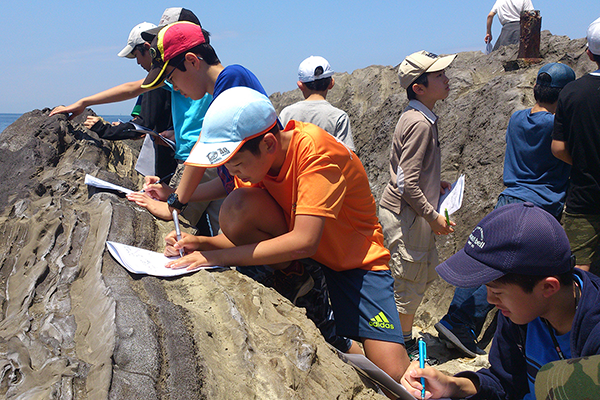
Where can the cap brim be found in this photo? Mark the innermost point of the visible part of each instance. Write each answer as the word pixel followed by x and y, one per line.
pixel 462 270
pixel 127 52
pixel 211 155
pixel 150 34
pixel 155 77
pixel 441 63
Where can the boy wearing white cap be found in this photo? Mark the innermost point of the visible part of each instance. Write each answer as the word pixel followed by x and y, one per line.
pixel 315 79
pixel 576 141
pixel 408 205
pixel 300 194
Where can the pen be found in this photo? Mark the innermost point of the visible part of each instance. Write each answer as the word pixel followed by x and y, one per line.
pixel 177 229
pixel 422 357
pixel 447 217
pixel 162 180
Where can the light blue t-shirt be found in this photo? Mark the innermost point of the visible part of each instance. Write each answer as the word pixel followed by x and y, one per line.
pixel 188 116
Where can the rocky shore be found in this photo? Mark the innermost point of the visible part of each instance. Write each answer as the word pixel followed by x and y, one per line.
pixel 75 325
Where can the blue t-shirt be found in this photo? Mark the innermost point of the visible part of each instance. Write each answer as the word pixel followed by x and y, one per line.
pixel 531 172
pixel 234 76
pixel 188 116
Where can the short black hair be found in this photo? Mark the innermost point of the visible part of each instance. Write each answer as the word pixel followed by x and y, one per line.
pixel 543 92
pixel 318 85
pixel 253 144
pixel 141 48
pixel 528 282
pixel 421 80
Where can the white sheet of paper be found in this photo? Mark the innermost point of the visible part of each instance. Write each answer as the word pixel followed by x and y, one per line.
pixel 452 199
pixel 99 183
pixel 146 162
pixel 141 261
pixel 146 131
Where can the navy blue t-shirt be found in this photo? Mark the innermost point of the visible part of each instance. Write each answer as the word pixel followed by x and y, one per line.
pixel 234 76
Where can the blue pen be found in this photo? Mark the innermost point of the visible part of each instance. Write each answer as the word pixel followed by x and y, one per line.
pixel 422 357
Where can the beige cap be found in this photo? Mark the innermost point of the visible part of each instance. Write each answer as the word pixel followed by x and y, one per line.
pixel 420 62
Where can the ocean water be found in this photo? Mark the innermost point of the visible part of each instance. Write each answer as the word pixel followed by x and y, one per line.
pixel 6 119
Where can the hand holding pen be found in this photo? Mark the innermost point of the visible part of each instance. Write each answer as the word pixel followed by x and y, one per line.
pixel 177 229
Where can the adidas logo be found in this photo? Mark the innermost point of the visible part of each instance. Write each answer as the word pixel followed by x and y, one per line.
pixel 380 321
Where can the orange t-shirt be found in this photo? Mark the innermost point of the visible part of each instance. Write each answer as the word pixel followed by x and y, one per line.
pixel 322 177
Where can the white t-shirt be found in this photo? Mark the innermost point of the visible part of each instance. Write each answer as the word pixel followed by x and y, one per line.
pixel 510 10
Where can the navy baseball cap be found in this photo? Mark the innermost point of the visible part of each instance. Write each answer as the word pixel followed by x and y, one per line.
pixel 560 73
pixel 517 238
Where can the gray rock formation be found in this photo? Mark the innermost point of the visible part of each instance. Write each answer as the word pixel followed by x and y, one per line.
pixel 75 325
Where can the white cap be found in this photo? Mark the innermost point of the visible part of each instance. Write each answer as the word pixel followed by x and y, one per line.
pixel 593 37
pixel 135 38
pixel 307 71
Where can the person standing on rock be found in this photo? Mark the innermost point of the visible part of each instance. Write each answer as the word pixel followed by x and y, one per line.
pixel 531 173
pixel 576 140
pixel 315 79
pixel 509 14
pixel 408 206
pixel 300 196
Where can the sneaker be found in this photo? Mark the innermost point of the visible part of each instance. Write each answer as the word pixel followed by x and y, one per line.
pixel 293 282
pixel 412 348
pixel 460 337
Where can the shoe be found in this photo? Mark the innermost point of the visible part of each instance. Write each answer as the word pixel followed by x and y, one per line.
pixel 412 348
pixel 293 282
pixel 460 337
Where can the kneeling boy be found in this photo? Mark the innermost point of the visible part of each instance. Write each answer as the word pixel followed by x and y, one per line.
pixel 548 309
pixel 299 194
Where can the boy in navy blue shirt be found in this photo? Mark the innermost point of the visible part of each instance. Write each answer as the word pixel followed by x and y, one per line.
pixel 548 309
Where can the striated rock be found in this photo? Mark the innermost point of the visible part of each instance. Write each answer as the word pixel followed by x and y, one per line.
pixel 76 325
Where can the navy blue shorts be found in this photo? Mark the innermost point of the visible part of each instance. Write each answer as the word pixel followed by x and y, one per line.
pixel 363 304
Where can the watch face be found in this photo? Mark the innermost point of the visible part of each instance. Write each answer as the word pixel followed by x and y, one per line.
pixel 172 199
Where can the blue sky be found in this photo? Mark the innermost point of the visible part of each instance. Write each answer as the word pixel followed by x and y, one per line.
pixel 57 52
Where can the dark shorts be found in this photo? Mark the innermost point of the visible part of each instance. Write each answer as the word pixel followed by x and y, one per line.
pixel 583 232
pixel 363 304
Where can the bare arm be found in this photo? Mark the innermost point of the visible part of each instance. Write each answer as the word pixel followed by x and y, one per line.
pixel 560 151
pixel 437 384
pixel 301 242
pixel 209 191
pixel 122 92
pixel 488 32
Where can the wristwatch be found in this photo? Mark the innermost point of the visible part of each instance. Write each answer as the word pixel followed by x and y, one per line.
pixel 173 201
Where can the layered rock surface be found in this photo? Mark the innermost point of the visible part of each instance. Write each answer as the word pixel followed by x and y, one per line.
pixel 75 325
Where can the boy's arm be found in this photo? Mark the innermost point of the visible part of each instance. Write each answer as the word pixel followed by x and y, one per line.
pixel 488 32
pixel 301 242
pixel 122 92
pixel 560 151
pixel 507 376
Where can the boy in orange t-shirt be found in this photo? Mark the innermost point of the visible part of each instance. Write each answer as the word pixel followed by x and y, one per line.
pixel 299 195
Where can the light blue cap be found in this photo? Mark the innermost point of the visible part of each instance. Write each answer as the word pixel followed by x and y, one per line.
pixel 560 73
pixel 235 116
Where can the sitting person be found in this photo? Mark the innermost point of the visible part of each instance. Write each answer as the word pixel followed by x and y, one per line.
pixel 548 310
pixel 299 195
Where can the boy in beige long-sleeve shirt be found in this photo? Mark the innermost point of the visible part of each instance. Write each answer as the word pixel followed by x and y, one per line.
pixel 408 205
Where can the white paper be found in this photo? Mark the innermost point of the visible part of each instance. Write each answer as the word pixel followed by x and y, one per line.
pixel 141 261
pixel 452 199
pixel 365 367
pixel 99 183
pixel 146 131
pixel 146 162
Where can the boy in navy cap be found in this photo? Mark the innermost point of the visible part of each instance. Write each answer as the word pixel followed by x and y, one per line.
pixel 548 309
